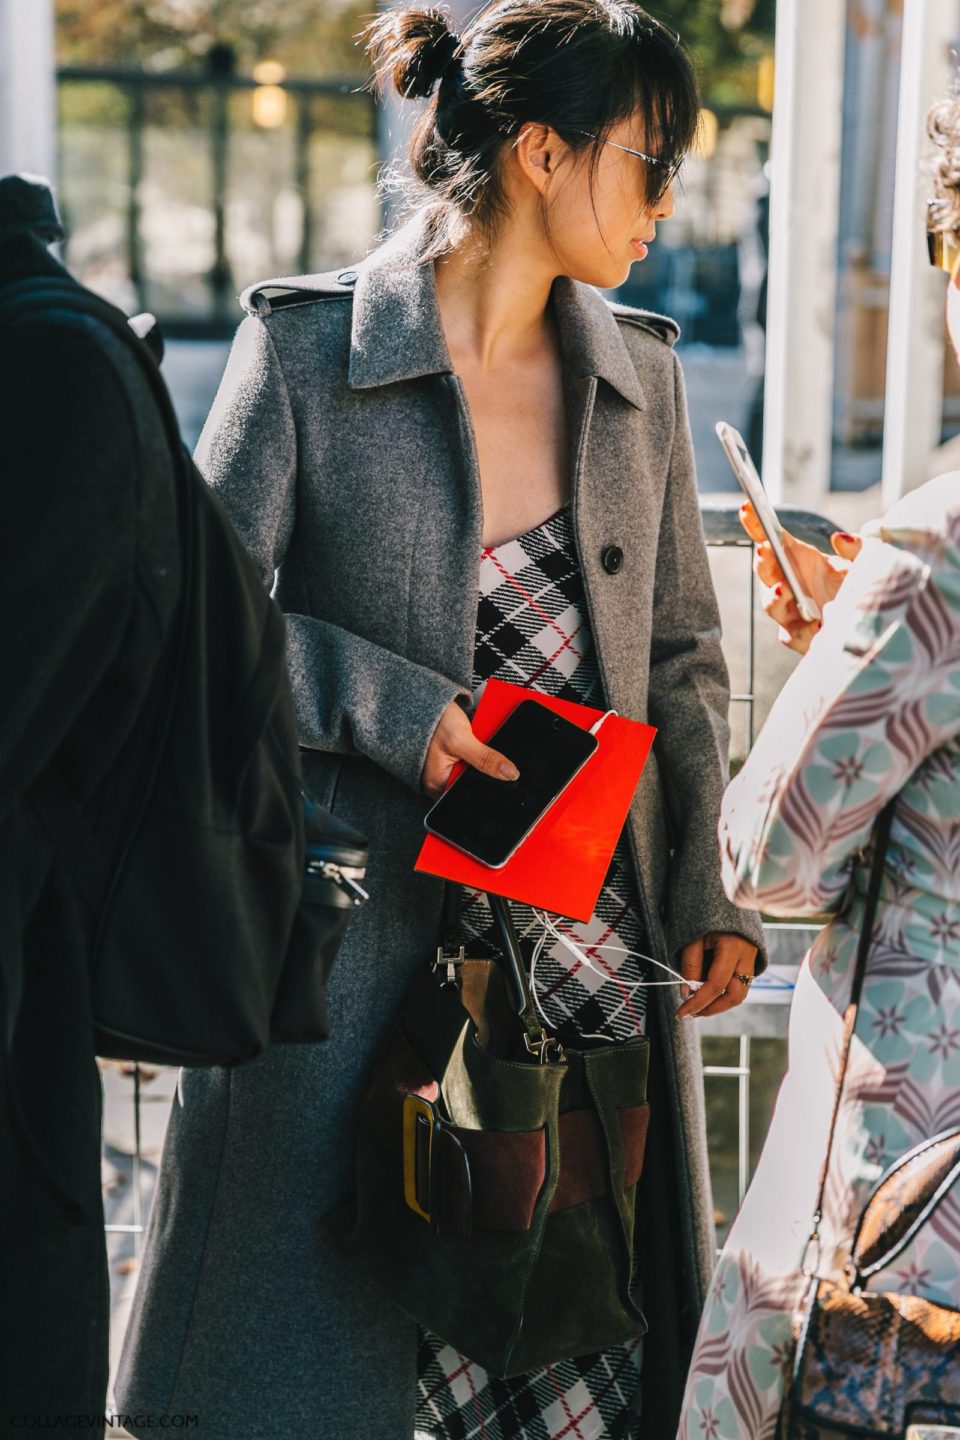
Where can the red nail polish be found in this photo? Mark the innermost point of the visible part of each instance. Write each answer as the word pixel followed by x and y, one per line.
pixel 844 536
pixel 778 591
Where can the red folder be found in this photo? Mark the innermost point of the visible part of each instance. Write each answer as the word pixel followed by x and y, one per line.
pixel 561 865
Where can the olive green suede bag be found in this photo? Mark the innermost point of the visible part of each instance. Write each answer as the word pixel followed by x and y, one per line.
pixel 496 1170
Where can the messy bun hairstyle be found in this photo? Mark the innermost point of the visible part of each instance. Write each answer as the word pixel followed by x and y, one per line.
pixel 575 65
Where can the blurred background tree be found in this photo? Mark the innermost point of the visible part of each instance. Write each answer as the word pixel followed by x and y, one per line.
pixel 317 37
pixel 728 39
pixel 309 37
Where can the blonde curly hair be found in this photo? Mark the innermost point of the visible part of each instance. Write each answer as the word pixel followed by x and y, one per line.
pixel 943 128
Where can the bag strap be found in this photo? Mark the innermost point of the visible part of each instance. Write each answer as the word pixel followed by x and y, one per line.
pixel 545 1047
pixel 880 842
pixel 451 943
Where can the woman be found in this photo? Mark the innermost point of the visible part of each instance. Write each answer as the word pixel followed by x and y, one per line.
pixel 872 712
pixel 460 461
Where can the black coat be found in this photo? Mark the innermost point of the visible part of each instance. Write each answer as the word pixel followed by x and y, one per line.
pixel 90 563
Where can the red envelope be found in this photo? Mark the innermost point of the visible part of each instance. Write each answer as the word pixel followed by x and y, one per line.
pixel 561 865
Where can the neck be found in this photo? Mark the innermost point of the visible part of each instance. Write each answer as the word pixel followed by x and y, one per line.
pixel 494 299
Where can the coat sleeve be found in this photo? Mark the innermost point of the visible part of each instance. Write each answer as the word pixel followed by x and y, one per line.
pixel 689 698
pixel 876 694
pixel 68 527
pixel 353 697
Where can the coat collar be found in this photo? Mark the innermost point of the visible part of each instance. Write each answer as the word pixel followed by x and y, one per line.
pixel 396 333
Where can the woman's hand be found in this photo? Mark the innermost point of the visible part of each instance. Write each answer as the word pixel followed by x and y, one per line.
pixel 721 989
pixel 820 576
pixel 454 740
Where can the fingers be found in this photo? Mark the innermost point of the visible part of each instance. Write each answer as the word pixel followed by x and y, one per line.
pixel 799 554
pixel 453 741
pixel 750 523
pixel 436 775
pixel 780 605
pixel 732 956
pixel 691 965
pixel 795 632
pixel 765 566
pixel 483 758
pixel 848 547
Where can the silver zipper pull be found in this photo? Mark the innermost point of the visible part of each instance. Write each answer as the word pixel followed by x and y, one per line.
pixel 356 892
pixel 343 877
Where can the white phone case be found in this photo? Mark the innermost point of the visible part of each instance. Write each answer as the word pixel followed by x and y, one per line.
pixel 752 486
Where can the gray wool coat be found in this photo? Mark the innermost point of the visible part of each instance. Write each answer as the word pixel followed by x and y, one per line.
pixel 340 444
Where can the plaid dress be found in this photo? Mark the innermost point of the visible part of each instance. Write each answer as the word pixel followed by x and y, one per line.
pixel 533 630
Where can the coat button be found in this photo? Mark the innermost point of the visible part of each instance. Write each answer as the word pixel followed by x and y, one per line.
pixel 612 559
pixel 347 277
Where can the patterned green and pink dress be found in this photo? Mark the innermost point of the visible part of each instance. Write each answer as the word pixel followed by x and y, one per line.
pixel 872 712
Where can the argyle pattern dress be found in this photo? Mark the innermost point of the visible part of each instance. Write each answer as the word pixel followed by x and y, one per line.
pixel 533 630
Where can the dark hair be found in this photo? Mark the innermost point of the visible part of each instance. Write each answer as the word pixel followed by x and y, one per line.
pixel 943 127
pixel 575 65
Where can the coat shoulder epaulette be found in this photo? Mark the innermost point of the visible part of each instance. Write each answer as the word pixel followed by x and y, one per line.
pixel 661 326
pixel 266 296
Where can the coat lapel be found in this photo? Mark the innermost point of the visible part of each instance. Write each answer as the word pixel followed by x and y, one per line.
pixel 591 341
pixel 396 332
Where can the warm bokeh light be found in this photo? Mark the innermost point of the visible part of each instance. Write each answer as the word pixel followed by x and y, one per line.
pixel 706 141
pixel 765 69
pixel 269 106
pixel 269 72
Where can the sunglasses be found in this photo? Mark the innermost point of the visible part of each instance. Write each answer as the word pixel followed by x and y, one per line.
pixel 672 167
pixel 943 249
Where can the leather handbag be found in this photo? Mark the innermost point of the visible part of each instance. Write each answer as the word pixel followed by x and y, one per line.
pixel 871 1364
pixel 496 1169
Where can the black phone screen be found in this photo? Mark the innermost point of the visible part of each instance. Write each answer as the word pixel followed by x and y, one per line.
pixel 488 818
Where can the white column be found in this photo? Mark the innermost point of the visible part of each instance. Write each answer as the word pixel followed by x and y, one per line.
pixel 914 386
pixel 27 87
pixel 804 197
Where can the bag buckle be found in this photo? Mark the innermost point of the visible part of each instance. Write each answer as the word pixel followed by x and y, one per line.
pixel 813 1248
pixel 433 1158
pixel 544 1047
pixel 451 962
pixel 419 1127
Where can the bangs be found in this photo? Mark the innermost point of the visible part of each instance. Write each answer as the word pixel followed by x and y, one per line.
pixel 652 77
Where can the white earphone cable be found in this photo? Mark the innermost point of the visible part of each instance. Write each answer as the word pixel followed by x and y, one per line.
pixel 550 929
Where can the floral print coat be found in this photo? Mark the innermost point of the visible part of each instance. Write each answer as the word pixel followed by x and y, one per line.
pixel 871 712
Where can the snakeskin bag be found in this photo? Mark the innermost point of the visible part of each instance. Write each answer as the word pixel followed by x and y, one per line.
pixel 867 1364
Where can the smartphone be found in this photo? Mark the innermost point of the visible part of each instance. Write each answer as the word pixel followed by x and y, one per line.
pixel 752 486
pixel 489 819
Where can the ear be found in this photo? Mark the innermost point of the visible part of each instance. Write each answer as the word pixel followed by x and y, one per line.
pixel 538 150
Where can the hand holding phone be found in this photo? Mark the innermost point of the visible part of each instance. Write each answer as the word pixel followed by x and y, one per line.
pixel 749 481
pixel 488 819
pixel 822 576
pixel 453 742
